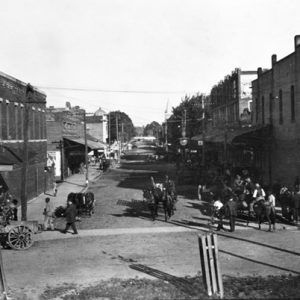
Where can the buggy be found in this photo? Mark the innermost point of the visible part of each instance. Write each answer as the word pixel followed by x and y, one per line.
pixel 85 204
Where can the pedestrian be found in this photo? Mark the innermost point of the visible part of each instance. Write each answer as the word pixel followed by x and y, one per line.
pixel 14 208
pixel 271 201
pixel 231 212
pixel 296 200
pixel 48 214
pixel 258 194
pixel 54 189
pixel 71 213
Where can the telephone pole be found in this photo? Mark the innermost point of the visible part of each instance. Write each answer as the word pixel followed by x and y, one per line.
pixel 86 151
pixel 28 93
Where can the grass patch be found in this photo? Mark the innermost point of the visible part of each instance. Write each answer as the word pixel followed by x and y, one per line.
pixel 271 287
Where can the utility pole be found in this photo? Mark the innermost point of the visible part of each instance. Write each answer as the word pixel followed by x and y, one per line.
pixel 109 129
pixel 122 136
pixel 166 132
pixel 86 151
pixel 203 133
pixel 28 93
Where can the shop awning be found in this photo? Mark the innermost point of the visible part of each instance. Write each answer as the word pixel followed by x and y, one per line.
pixel 93 145
pixel 7 160
pixel 256 135
pixel 247 134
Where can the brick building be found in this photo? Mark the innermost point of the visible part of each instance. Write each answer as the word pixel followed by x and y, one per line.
pixel 13 106
pixel 66 139
pixel 97 125
pixel 230 111
pixel 276 94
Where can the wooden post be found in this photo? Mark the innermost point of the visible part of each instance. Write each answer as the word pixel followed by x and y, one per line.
pixel 86 152
pixel 29 91
pixel 211 271
pixel 3 287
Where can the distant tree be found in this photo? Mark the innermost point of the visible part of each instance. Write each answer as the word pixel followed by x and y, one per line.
pixel 139 130
pixel 125 127
pixel 153 129
pixel 189 112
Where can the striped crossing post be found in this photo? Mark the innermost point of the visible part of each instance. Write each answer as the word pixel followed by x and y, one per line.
pixel 211 271
pixel 3 288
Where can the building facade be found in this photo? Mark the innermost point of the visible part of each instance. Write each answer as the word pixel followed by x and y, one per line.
pixel 68 134
pixel 276 94
pixel 230 111
pixel 97 125
pixel 19 112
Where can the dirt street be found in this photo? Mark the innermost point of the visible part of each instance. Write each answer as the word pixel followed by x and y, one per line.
pixel 117 239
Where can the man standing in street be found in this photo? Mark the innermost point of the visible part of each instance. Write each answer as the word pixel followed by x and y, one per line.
pixel 71 213
pixel 48 214
pixel 231 212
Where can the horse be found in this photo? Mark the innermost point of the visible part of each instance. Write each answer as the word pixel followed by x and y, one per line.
pixel 263 210
pixel 286 202
pixel 152 204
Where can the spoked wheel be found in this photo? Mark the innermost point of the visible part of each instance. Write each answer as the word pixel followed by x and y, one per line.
pixel 20 237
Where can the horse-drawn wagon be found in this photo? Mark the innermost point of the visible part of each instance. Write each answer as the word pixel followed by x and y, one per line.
pixel 157 195
pixel 17 235
pixel 84 202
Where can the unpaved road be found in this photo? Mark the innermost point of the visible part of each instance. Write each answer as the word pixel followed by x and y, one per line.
pixel 172 248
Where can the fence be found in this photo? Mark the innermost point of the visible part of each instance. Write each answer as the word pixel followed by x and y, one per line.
pixel 211 271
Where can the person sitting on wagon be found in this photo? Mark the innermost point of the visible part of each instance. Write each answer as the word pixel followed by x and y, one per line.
pixel 258 194
pixel 238 185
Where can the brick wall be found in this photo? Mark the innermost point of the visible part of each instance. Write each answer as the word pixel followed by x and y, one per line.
pixel 278 83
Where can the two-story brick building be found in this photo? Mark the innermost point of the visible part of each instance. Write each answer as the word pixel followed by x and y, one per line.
pixel 276 94
pixel 13 107
pixel 230 111
pixel 67 131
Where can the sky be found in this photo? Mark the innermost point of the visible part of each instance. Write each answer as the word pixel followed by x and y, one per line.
pixel 137 55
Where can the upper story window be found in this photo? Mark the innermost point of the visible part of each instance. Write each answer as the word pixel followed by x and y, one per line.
pixel 292 104
pixel 257 110
pixel 280 107
pixel 271 107
pixel 263 110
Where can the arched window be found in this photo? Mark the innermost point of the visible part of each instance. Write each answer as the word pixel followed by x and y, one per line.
pixel 271 107
pixel 263 110
pixel 292 104
pixel 257 110
pixel 280 108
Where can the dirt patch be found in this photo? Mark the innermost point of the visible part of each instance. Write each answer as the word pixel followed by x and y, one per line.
pixel 280 287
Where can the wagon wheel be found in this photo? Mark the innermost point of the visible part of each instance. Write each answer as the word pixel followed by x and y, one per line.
pixel 20 237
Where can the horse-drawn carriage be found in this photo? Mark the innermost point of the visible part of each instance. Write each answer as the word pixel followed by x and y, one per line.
pixel 84 202
pixel 159 195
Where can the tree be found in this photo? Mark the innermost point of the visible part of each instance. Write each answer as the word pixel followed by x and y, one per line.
pixel 153 129
pixel 121 124
pixel 188 117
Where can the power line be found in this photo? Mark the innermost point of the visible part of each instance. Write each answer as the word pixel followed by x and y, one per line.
pixel 111 91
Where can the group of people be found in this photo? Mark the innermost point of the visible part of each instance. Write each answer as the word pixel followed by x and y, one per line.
pixel 240 189
pixel 8 206
pixel 70 214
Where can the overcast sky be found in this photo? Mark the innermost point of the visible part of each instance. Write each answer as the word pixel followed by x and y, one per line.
pixel 167 46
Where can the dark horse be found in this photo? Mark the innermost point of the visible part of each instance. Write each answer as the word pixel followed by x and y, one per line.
pixel 155 196
pixel 152 204
pixel 84 202
pixel 286 203
pixel 263 211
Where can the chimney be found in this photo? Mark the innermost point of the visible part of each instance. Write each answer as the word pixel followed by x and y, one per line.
pixel 297 41
pixel 274 59
pixel 259 72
